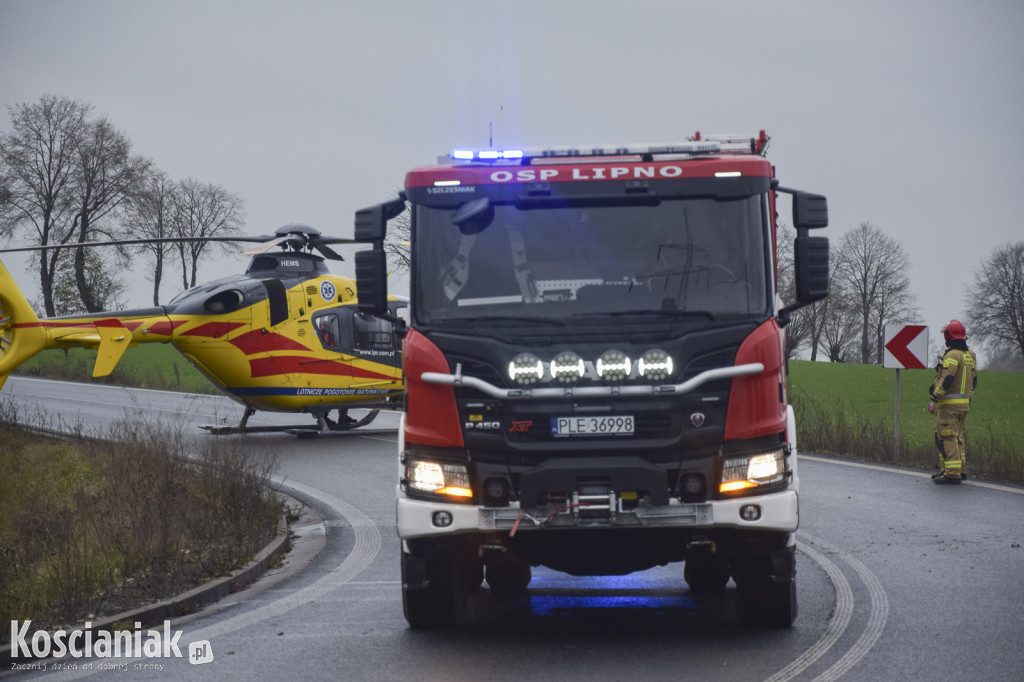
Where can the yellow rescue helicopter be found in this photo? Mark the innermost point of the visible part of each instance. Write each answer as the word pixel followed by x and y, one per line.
pixel 286 336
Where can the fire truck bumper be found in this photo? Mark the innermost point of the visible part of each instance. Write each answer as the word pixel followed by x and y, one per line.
pixel 771 512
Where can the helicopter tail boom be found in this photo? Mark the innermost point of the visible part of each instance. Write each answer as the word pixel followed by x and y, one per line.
pixel 21 333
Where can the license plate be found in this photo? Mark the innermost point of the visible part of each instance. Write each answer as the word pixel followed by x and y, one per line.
pixel 618 425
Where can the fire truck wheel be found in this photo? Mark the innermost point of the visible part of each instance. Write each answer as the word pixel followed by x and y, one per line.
pixel 705 574
pixel 765 600
pixel 433 592
pixel 507 575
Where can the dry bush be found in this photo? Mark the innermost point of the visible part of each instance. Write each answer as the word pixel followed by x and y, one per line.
pixel 98 525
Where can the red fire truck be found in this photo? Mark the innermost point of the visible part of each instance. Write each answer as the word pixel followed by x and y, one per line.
pixel 595 372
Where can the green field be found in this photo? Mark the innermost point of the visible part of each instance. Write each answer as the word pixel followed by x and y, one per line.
pixel 854 406
pixel 150 365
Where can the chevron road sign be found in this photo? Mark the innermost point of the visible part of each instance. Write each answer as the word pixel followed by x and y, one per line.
pixel 906 346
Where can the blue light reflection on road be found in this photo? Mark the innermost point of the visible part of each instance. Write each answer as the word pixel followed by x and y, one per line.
pixel 554 594
pixel 547 605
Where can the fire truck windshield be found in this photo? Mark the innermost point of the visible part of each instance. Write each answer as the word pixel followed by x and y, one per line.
pixel 681 255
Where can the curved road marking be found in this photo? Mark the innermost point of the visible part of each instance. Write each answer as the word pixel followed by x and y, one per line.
pixel 876 621
pixel 836 627
pixel 367 546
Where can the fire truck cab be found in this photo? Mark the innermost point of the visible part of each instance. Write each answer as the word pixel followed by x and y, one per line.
pixel 595 370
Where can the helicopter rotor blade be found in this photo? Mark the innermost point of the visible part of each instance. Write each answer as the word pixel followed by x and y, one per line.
pixel 327 252
pixel 333 240
pixel 295 237
pixel 128 242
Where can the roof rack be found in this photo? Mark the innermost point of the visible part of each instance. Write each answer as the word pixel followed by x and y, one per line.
pixel 744 143
pixel 695 145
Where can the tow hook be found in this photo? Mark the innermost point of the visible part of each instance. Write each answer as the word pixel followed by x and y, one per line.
pixel 702 545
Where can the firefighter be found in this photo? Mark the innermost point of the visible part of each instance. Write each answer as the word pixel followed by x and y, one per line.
pixel 956 377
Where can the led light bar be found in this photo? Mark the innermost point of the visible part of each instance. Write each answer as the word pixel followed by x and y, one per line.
pixel 655 365
pixel 519 155
pixel 568 368
pixel 697 144
pixel 613 366
pixel 526 369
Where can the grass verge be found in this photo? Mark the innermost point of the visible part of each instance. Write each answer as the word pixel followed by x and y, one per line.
pixel 93 526
pixel 849 411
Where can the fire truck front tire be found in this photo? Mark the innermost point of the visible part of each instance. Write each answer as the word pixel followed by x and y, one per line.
pixel 766 589
pixel 706 574
pixel 508 575
pixel 433 591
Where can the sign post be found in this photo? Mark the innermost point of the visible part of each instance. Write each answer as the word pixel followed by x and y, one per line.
pixel 906 347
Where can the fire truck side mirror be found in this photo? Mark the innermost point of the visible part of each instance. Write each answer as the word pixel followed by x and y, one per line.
pixel 372 282
pixel 809 210
pixel 811 260
pixel 372 222
pixel 371 266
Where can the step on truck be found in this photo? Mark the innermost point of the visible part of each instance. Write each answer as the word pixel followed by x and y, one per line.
pixel 595 369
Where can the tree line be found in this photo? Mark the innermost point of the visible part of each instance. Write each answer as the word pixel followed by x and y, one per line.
pixel 869 288
pixel 68 177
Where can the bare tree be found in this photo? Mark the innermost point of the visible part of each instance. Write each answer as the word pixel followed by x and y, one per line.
pixel 995 302
pixel 798 331
pixel 1003 358
pixel 839 324
pixel 202 210
pixel 7 209
pixel 397 242
pixel 149 215
pixel 106 174
pixel 106 288
pixel 896 303
pixel 827 325
pixel 38 158
pixel 871 268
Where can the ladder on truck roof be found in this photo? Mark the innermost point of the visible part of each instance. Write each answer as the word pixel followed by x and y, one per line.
pixel 695 145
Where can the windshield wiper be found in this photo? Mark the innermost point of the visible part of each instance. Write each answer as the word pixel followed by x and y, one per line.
pixel 658 313
pixel 514 319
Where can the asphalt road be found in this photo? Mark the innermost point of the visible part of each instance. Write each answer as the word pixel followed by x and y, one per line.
pixel 898 579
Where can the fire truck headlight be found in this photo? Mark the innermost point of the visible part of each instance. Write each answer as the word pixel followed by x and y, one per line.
pixel 741 474
pixel 567 368
pixel 613 366
pixel 526 369
pixel 655 365
pixel 425 476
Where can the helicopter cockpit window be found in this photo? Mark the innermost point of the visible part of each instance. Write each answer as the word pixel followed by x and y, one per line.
pixel 224 302
pixel 328 329
pixel 372 333
pixel 347 330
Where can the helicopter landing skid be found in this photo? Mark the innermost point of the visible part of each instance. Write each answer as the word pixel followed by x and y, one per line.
pixel 344 422
pixel 324 425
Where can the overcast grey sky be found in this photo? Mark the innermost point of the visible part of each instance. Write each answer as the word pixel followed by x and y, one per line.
pixel 907 114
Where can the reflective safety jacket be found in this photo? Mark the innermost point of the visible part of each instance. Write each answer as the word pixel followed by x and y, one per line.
pixel 956 377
